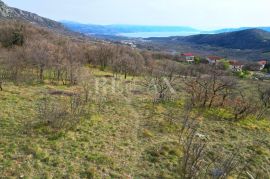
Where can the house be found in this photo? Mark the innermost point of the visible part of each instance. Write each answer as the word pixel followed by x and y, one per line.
pixel 213 59
pixel 188 57
pixel 129 43
pixel 262 64
pixel 236 66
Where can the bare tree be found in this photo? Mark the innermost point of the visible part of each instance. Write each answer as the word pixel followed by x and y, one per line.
pixel 193 160
pixel 85 81
pixel 264 98
pixel 104 54
pixel 40 55
pixel 73 58
pixel 161 82
pixel 242 106
pixel 16 63
pixel 211 89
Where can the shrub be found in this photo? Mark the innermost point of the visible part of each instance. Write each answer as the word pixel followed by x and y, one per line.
pixel 12 35
pixel 59 115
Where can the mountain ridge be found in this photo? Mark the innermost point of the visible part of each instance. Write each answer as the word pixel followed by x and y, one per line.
pixel 7 12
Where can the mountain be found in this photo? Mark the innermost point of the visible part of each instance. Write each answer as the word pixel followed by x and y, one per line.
pixel 245 39
pixel 7 12
pixel 236 29
pixel 120 29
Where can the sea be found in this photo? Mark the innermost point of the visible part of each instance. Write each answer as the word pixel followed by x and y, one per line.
pixel 157 34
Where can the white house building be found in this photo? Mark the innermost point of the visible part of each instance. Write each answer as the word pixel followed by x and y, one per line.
pixel 188 57
pixel 236 66
pixel 213 59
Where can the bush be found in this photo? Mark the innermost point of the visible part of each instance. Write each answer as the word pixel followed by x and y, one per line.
pixel 12 35
pixel 59 115
pixel 243 74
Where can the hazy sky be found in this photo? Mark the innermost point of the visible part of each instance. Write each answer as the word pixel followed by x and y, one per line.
pixel 204 14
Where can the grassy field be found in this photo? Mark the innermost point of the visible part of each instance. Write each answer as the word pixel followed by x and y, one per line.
pixel 124 135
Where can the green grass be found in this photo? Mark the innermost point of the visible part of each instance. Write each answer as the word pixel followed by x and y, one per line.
pixel 125 136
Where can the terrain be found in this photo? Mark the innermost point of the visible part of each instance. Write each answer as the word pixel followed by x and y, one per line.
pixel 125 136
pixel 7 12
pixel 71 107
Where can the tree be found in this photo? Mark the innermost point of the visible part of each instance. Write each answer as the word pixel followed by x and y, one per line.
pixel 211 89
pixel 58 60
pixel 241 105
pixel 126 61
pixel 40 54
pixel 267 67
pixel 197 60
pixel 104 54
pixel 264 98
pixel 224 64
pixel 85 80
pixel 73 58
pixel 12 34
pixel 162 79
pixel 16 63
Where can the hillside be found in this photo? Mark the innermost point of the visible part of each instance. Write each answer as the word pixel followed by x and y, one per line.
pixel 7 12
pixel 255 39
pixel 245 39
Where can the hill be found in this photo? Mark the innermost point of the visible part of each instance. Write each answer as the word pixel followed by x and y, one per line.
pixel 245 39
pixel 7 12
pixel 236 29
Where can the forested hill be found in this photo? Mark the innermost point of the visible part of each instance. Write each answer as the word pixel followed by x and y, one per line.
pixel 245 39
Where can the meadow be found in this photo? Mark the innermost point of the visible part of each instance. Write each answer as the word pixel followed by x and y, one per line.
pixel 123 135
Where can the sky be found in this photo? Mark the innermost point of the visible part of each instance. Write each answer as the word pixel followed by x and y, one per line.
pixel 201 14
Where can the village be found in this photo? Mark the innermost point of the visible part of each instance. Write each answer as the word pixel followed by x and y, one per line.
pixel 258 70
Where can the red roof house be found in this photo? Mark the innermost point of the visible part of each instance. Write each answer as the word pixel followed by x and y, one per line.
pixel 187 54
pixel 188 57
pixel 236 65
pixel 262 63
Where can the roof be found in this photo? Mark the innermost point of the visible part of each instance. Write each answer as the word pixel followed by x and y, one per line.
pixel 235 63
pixel 187 54
pixel 214 58
pixel 262 62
